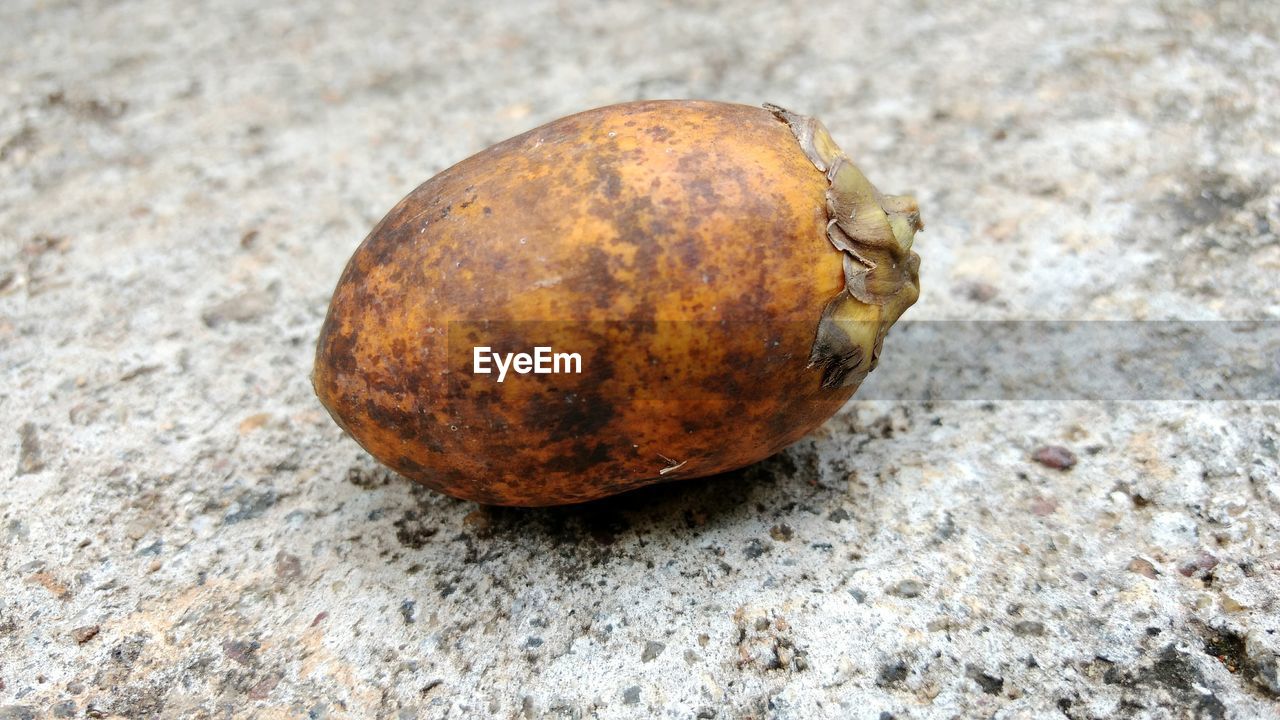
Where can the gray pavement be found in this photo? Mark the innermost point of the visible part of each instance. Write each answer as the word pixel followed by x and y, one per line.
pixel 185 533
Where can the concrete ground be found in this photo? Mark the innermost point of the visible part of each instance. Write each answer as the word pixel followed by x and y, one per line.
pixel 185 533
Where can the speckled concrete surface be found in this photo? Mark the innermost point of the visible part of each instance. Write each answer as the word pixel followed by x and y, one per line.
pixel 186 534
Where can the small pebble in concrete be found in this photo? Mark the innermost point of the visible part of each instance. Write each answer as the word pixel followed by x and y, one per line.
pixel 652 650
pixel 908 588
pixel 84 634
pixel 1055 456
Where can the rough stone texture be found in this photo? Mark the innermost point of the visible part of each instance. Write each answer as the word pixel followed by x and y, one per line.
pixel 179 189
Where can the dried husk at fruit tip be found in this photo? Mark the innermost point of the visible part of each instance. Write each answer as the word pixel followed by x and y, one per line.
pixel 882 274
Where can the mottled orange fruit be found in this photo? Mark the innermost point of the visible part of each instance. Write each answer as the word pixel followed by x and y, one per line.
pixel 680 247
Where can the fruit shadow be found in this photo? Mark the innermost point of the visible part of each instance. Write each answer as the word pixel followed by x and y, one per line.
pixel 671 508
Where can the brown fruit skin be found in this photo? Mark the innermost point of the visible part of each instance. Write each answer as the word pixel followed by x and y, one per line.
pixel 656 210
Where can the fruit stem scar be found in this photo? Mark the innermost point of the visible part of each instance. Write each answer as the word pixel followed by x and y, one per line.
pixel 881 273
